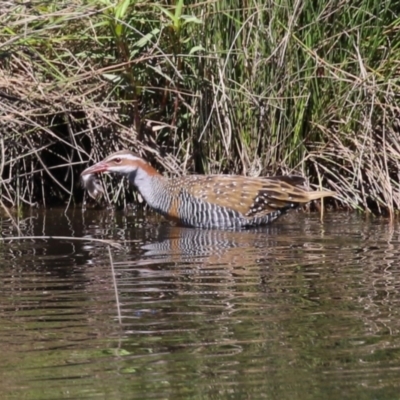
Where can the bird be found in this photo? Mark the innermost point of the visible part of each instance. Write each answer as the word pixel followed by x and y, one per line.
pixel 206 201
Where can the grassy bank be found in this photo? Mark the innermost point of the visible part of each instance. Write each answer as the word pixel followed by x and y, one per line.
pixel 252 87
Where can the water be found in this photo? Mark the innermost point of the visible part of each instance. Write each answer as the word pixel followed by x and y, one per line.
pixel 302 309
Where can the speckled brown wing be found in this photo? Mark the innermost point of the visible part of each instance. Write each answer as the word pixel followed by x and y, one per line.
pixel 252 197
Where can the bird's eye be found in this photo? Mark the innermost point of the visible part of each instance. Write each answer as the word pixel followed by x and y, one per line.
pixel 117 160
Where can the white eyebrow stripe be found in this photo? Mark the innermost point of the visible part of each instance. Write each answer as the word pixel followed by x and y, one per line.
pixel 125 157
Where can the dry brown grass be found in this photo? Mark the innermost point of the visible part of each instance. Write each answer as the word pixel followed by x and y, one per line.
pixel 254 90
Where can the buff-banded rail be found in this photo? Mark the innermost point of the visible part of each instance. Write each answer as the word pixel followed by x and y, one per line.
pixel 207 201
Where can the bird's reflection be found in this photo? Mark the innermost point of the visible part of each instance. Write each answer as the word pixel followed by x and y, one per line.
pixel 212 246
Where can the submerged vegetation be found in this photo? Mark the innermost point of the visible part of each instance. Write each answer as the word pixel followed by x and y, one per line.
pixel 252 87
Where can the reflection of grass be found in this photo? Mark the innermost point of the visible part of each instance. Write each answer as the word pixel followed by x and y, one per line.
pixel 254 87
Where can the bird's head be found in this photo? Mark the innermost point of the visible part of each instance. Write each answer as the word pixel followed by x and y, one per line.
pixel 122 163
pixel 125 163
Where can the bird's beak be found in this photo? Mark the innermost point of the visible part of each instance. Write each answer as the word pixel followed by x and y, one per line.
pixel 96 169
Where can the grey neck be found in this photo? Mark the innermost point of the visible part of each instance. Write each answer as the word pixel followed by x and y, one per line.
pixel 152 188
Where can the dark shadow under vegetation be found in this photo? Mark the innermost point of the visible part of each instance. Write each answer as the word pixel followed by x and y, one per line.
pixel 260 87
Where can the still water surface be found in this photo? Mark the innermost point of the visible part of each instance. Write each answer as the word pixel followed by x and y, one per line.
pixel 302 309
